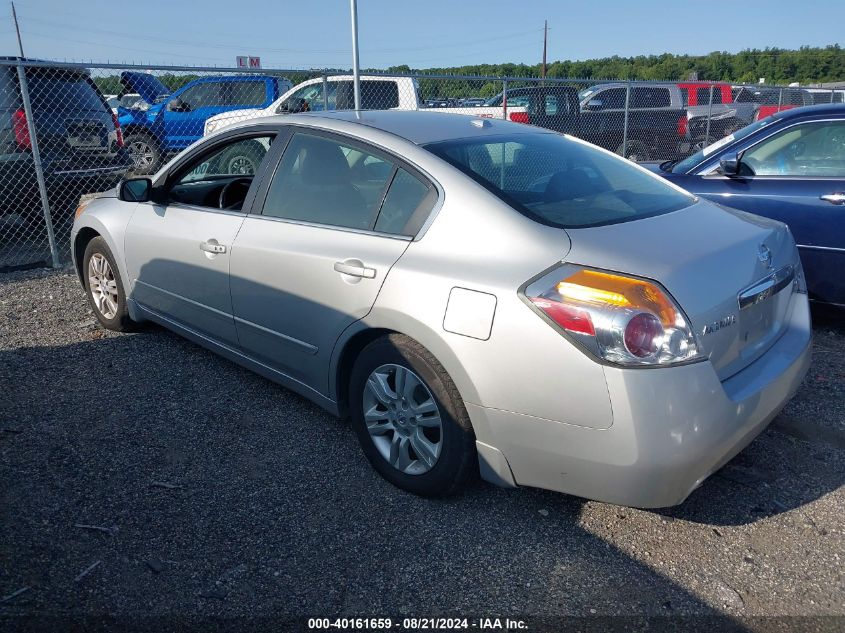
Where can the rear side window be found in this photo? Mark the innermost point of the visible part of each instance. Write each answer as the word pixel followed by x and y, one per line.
pixel 325 181
pixel 406 205
pixel 242 93
pixel 561 182
pixel 375 95
pixel 650 98
pixel 611 99
pixel 60 92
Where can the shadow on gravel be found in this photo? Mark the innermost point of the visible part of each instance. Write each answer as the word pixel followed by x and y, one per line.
pixel 142 474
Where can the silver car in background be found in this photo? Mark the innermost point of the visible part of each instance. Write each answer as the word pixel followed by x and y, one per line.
pixel 475 295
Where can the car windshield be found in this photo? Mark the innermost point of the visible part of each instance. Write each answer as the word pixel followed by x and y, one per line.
pixel 690 162
pixel 561 181
pixel 584 93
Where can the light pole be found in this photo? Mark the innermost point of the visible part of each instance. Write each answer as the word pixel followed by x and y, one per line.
pixel 356 71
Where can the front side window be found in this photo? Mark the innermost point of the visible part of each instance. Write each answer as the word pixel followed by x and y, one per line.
pixel 810 149
pixel 221 179
pixel 561 182
pixel 310 98
pixel 611 99
pixel 199 96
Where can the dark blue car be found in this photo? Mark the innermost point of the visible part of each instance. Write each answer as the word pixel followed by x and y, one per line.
pixel 789 167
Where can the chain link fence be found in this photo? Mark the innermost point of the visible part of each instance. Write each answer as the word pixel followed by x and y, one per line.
pixel 70 131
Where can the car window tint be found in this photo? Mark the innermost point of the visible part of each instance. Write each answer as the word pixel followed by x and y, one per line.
pixel 650 98
pixel 611 99
pixel 375 95
pixel 200 182
pixel 200 95
pixel 560 181
pixel 324 181
pixel 61 91
pixel 406 196
pixel 810 149
pixel 242 93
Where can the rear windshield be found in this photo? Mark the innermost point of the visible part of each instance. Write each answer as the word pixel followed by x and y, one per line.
pixel 560 181
pixel 60 92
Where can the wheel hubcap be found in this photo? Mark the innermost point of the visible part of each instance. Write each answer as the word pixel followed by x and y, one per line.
pixel 241 165
pixel 102 286
pixel 403 419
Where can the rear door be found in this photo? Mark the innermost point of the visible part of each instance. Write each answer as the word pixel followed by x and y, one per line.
pixel 336 216
pixel 797 175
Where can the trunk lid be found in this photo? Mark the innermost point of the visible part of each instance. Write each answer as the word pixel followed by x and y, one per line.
pixel 707 257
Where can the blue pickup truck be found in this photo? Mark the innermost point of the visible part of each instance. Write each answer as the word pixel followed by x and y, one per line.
pixel 165 122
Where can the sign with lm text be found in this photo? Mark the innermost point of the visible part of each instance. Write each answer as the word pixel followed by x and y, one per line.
pixel 247 61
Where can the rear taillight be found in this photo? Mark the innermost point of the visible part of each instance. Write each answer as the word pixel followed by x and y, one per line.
pixel 621 319
pixel 117 129
pixel 519 117
pixel 682 126
pixel 21 130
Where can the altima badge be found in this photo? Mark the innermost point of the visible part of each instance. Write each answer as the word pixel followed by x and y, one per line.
pixel 764 255
pixel 718 325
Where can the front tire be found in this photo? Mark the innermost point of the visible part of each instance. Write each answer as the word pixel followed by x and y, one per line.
pixel 104 288
pixel 409 418
pixel 242 160
pixel 144 151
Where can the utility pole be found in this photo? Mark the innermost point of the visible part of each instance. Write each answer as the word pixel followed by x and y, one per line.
pixel 356 71
pixel 17 29
pixel 545 40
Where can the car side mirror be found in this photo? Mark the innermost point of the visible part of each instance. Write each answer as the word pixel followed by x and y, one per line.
pixel 729 165
pixel 136 190
pixel 594 104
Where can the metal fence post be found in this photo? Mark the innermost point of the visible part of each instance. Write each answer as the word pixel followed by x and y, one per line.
pixel 709 117
pixel 780 98
pixel 39 171
pixel 504 99
pixel 625 122
pixel 325 93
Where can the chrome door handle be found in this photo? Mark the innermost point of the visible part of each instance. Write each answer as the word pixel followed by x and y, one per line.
pixel 834 198
pixel 212 247
pixel 354 270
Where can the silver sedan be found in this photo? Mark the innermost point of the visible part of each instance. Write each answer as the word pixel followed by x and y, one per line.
pixel 474 295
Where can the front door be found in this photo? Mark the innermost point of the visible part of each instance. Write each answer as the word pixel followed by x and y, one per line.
pixel 178 251
pixel 337 215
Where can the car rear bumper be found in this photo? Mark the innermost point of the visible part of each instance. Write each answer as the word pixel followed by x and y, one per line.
pixel 672 427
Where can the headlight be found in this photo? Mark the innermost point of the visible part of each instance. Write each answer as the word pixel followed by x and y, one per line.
pixel 618 318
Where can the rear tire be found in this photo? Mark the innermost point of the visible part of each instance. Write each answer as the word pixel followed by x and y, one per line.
pixel 104 288
pixel 242 160
pixel 409 418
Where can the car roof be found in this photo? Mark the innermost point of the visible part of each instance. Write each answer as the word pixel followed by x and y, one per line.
pixel 822 109
pixel 418 127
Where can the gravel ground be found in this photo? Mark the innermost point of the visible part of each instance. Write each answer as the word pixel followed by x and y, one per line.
pixel 222 494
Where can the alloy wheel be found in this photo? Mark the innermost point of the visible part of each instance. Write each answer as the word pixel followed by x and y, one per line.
pixel 241 165
pixel 102 285
pixel 142 154
pixel 403 419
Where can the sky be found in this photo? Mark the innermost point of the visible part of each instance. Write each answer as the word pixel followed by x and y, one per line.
pixel 420 33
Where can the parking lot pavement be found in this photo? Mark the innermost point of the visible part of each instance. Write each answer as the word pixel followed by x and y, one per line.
pixel 220 493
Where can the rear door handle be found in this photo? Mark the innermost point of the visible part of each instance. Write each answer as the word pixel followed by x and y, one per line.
pixel 355 270
pixel 834 198
pixel 212 246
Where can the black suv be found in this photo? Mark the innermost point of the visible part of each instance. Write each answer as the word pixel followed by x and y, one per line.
pixel 79 140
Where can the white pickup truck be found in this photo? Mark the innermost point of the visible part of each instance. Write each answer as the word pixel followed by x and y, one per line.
pixel 336 93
